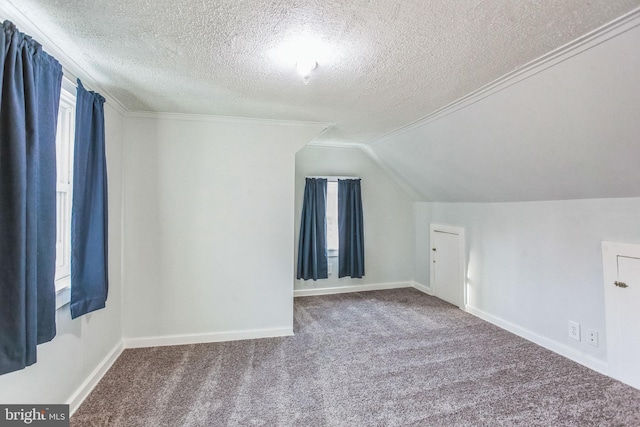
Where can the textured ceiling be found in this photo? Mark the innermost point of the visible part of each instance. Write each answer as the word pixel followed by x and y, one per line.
pixel 385 64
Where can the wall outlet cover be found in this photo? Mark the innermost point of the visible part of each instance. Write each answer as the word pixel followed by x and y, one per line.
pixel 574 330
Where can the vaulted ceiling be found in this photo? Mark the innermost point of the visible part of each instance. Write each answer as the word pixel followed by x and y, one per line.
pixel 384 63
pixel 381 64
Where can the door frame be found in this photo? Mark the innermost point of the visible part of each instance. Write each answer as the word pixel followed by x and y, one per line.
pixel 615 345
pixel 459 231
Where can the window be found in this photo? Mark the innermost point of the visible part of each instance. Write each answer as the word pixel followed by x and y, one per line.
pixel 314 248
pixel 64 165
pixel 332 218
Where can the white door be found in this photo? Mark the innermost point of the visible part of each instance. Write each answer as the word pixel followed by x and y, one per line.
pixel 445 264
pixel 622 302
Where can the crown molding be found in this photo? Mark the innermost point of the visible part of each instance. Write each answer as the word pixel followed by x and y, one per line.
pixel 226 119
pixel 590 40
pixel 330 144
pixel 71 69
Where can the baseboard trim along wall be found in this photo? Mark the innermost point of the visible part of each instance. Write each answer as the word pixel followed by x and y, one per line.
pixel 562 349
pixel 185 339
pixel 352 288
pixel 94 378
pixel 422 288
pixel 559 348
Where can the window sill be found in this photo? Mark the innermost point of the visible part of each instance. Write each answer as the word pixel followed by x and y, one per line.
pixel 63 292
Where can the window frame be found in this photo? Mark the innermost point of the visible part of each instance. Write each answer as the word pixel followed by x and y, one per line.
pixel 65 138
pixel 332 237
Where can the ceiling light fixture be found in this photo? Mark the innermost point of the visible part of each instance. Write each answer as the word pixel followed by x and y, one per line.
pixel 305 67
pixel 303 51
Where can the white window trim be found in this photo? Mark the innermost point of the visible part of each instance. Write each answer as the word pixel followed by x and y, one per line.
pixel 63 291
pixel 63 278
pixel 332 252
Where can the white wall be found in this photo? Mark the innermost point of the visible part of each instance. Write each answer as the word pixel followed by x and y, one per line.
pixel 539 264
pixel 422 268
pixel 81 344
pixel 209 226
pixel 567 129
pixel 388 216
pixel 562 130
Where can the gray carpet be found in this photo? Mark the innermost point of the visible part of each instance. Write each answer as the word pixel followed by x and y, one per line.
pixel 382 358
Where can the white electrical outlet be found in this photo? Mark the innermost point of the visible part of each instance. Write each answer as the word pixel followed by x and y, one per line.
pixel 592 337
pixel 574 330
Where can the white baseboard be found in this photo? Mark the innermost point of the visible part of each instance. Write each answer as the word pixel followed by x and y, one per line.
pixel 562 349
pixel 165 340
pixel 422 288
pixel 352 288
pixel 92 380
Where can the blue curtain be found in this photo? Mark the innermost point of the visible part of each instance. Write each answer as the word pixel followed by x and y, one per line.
pixel 350 229
pixel 89 278
pixel 29 99
pixel 312 245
